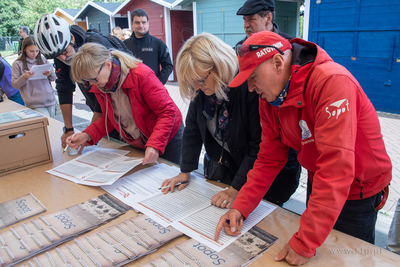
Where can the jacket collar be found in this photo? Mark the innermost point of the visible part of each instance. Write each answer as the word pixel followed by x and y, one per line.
pixel 139 39
pixel 305 57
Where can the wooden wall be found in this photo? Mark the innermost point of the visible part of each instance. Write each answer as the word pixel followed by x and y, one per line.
pixel 363 36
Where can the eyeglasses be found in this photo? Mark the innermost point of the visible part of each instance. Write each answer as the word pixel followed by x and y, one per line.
pixel 203 82
pixel 243 49
pixel 95 79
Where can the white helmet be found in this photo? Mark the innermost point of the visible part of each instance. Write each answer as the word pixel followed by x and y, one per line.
pixel 52 35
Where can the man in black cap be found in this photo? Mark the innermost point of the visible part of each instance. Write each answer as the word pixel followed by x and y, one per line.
pixel 259 15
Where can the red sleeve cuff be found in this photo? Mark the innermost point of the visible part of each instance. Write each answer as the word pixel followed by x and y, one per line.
pixel 300 249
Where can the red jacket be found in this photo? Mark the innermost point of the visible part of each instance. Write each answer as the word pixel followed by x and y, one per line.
pixel 153 110
pixel 333 125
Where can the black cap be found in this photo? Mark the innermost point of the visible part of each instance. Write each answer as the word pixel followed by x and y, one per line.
pixel 251 7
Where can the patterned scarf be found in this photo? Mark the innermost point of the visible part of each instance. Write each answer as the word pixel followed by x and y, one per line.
pixel 278 102
pixel 115 74
pixel 222 113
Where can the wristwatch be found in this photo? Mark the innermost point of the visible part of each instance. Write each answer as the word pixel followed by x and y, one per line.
pixel 65 130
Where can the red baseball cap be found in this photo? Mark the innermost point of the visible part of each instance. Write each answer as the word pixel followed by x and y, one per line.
pixel 258 48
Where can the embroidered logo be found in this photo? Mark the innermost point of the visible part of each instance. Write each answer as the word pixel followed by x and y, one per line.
pixel 267 50
pixel 337 108
pixel 305 131
pixel 147 49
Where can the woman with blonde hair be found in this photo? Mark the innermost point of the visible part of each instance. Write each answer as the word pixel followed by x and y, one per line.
pixel 133 101
pixel 224 119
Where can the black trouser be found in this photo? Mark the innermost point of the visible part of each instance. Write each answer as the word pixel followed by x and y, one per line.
pixel 358 217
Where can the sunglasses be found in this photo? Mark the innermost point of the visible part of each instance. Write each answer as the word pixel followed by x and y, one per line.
pixel 243 49
pixel 203 82
pixel 95 79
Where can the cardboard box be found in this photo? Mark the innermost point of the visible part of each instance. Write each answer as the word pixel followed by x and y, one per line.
pixel 24 144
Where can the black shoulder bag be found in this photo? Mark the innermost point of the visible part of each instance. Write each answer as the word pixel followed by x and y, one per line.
pixel 214 170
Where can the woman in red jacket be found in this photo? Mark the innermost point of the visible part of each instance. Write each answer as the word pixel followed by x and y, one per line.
pixel 133 101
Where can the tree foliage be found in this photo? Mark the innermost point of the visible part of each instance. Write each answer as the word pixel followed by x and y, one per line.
pixel 16 13
pixel 10 15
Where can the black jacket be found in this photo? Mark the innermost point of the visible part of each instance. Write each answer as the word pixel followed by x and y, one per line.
pixel 153 52
pixel 64 85
pixel 243 138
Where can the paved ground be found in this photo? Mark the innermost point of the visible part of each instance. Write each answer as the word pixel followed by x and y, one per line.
pixel 390 125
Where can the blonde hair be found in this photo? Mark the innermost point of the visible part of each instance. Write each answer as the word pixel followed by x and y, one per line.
pixel 92 56
pixel 117 32
pixel 205 53
pixel 126 33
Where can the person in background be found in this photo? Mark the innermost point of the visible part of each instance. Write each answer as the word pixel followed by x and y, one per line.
pixel 37 94
pixel 117 32
pixel 133 101
pixel 393 240
pixel 259 15
pixel 6 83
pixel 23 32
pixel 126 33
pixel 225 120
pixel 314 105
pixel 151 50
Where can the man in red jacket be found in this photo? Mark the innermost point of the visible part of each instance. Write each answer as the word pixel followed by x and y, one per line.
pixel 314 105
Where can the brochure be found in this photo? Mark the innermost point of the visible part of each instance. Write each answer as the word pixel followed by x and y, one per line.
pixel 18 209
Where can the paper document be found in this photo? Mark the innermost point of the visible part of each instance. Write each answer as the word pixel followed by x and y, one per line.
pixel 18 209
pixel 32 237
pixel 39 69
pixel 18 115
pixel 116 245
pixel 241 253
pixel 168 208
pixel 139 185
pixel 189 210
pixel 201 225
pixel 98 167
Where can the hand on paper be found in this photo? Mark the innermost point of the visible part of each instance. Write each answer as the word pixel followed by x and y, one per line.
pixel 291 256
pixel 64 138
pixel 79 140
pixel 224 199
pixel 28 74
pixel 150 155
pixel 182 177
pixel 232 222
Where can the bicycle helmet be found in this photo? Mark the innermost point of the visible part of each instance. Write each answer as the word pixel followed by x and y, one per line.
pixel 52 35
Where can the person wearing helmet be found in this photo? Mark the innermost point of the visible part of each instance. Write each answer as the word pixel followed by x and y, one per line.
pixel 58 40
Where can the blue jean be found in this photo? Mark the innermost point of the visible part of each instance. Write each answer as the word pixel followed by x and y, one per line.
pixel 358 217
pixel 173 150
pixel 393 241
pixel 17 98
pixel 49 111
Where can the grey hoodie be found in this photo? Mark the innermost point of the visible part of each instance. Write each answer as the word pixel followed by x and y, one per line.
pixel 35 93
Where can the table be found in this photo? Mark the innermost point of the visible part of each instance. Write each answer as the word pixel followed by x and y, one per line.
pixel 56 193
